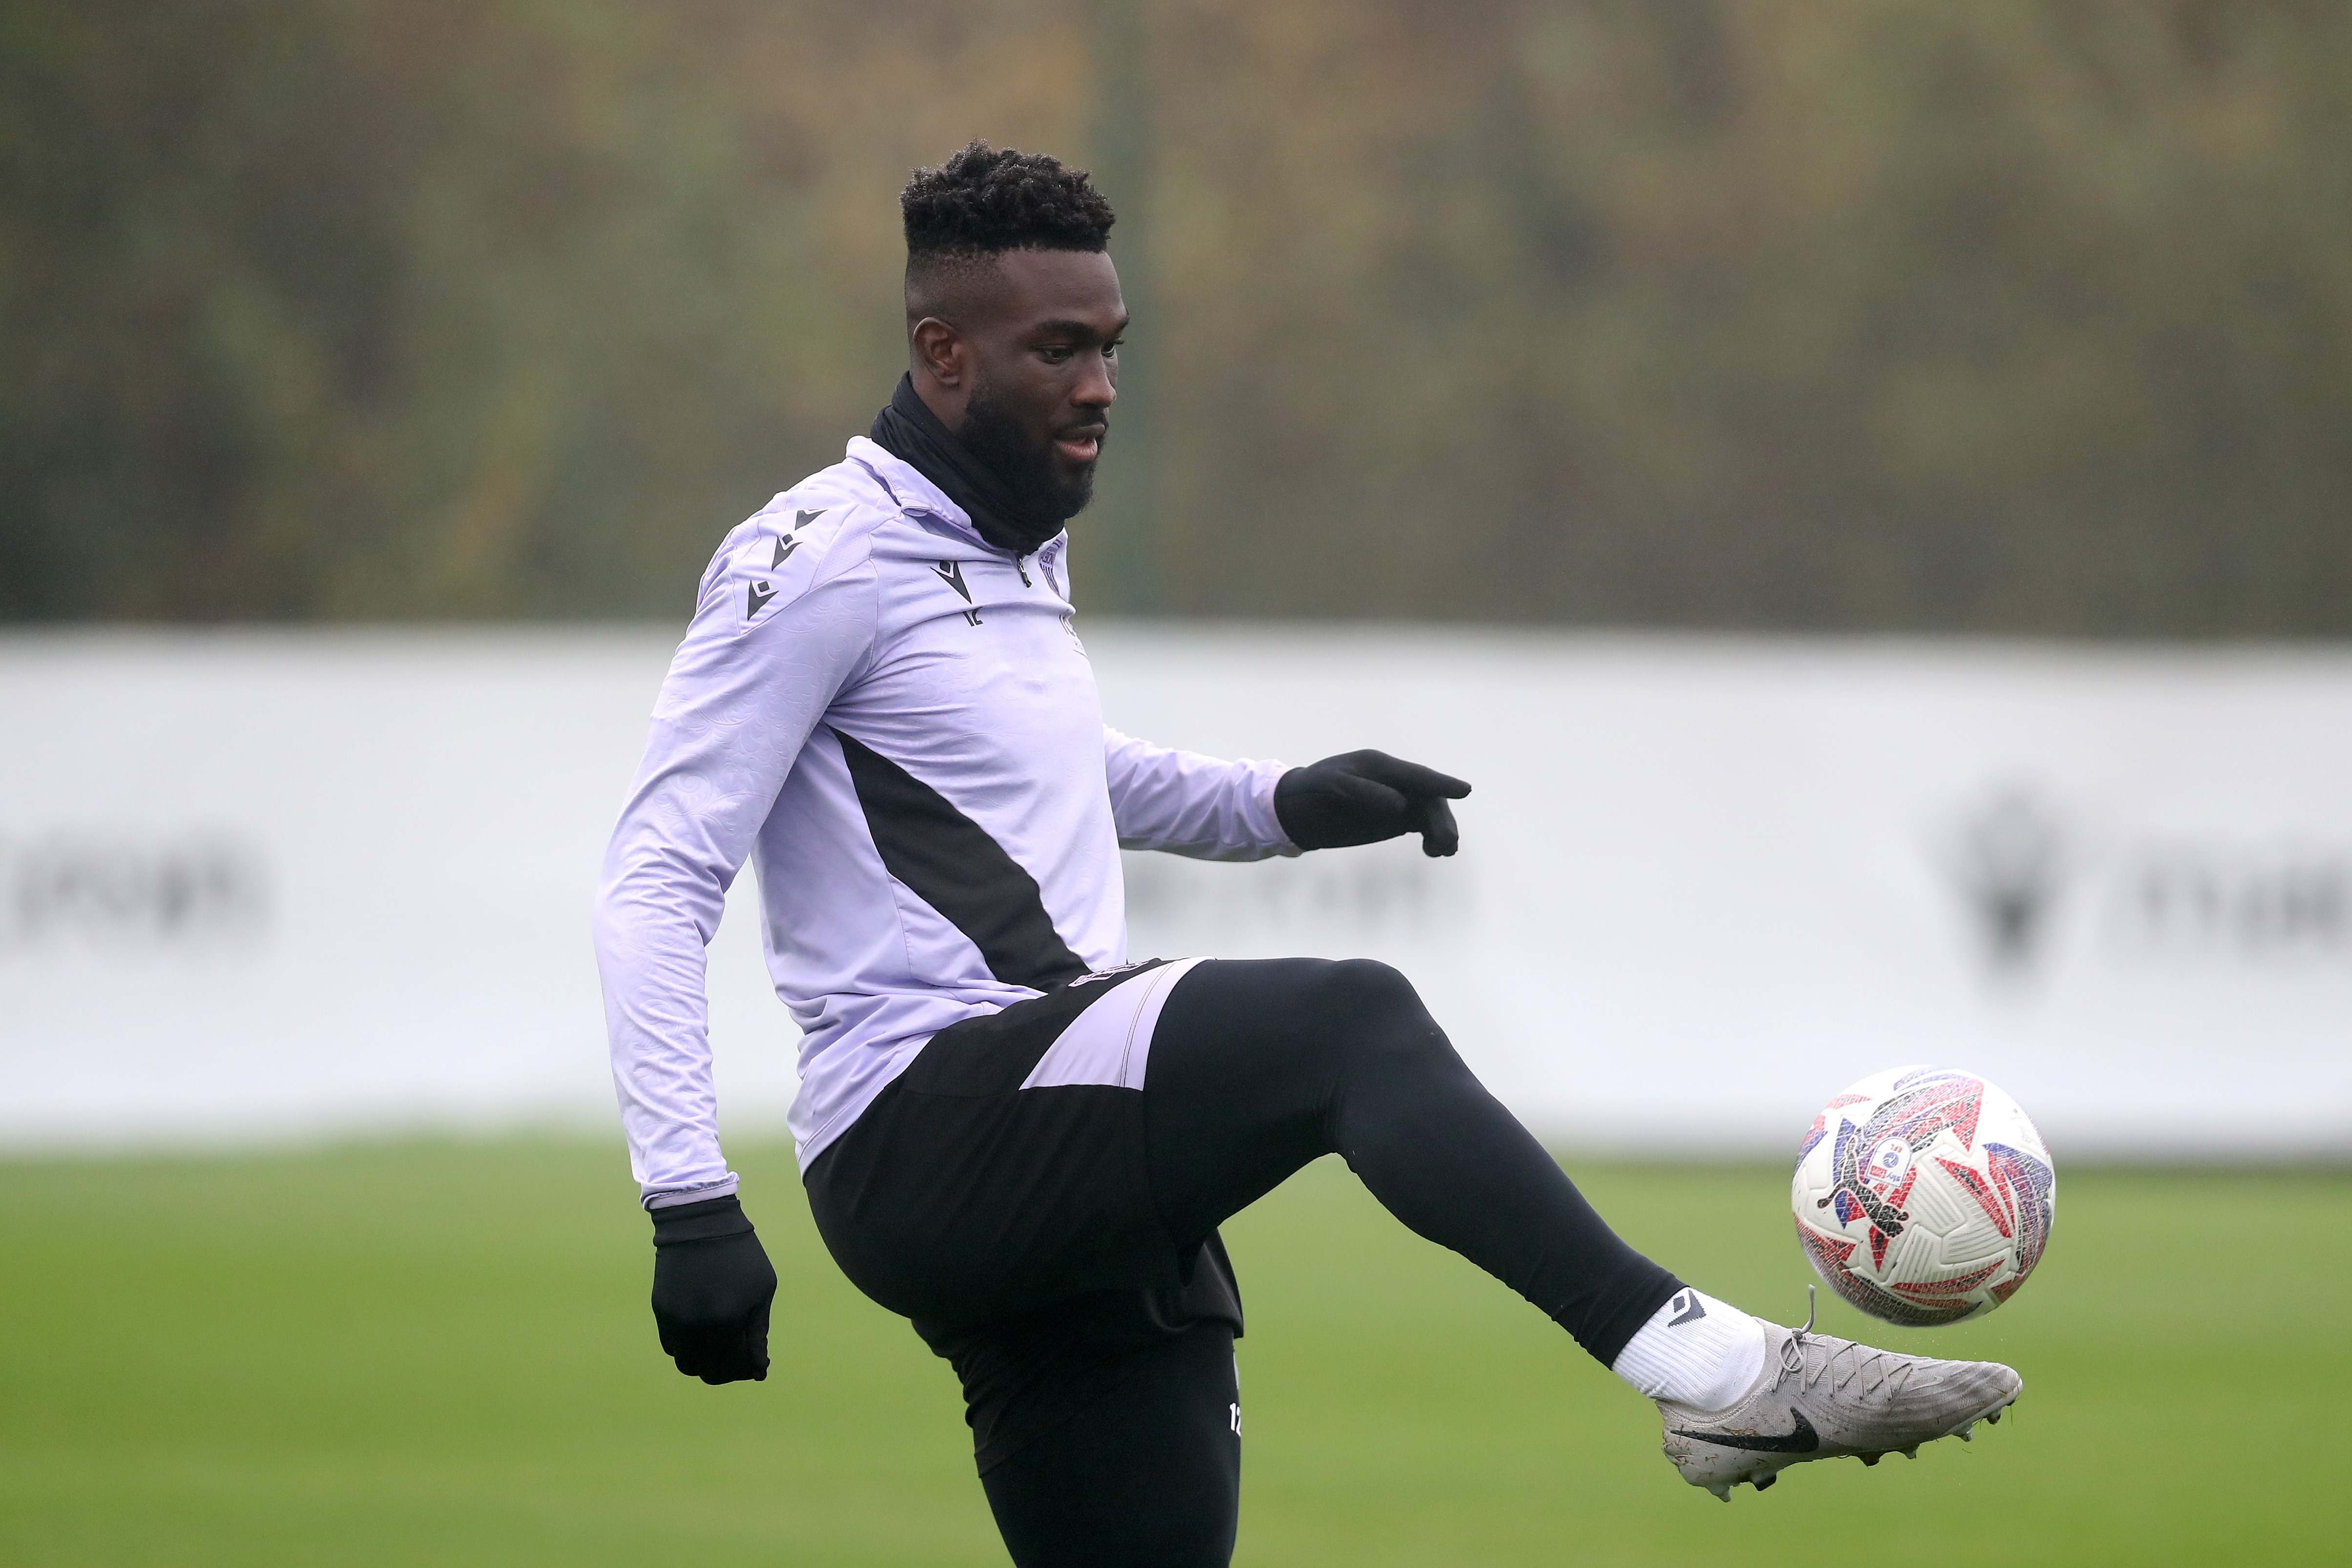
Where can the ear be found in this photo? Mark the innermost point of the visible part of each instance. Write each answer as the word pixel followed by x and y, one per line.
pixel 941 351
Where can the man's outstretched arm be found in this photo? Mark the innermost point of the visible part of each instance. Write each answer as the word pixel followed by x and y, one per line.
pixel 766 653
pixel 1207 808
pixel 1183 803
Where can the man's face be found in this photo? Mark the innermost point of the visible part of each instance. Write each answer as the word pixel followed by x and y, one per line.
pixel 1045 372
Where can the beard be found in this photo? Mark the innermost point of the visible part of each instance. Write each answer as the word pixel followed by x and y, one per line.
pixel 1040 484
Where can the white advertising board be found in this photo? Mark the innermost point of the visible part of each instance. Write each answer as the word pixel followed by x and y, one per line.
pixel 301 883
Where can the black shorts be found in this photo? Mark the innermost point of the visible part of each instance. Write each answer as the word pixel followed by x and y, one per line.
pixel 1016 1227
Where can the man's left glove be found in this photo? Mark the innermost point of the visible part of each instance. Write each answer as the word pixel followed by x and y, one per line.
pixel 1363 797
pixel 712 1289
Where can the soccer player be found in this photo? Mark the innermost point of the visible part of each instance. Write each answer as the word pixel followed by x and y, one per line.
pixel 1010 1134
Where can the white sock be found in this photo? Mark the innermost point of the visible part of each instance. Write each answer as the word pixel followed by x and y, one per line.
pixel 1695 1351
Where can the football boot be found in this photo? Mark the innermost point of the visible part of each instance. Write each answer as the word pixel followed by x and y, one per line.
pixel 1820 1397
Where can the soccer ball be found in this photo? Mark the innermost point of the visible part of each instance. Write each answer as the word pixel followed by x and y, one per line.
pixel 1924 1196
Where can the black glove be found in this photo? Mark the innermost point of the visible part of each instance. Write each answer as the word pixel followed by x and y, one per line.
pixel 712 1287
pixel 1363 797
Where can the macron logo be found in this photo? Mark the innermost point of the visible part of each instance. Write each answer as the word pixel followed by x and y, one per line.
pixel 951 573
pixel 786 544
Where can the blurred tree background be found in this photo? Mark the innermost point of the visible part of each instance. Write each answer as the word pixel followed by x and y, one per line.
pixel 2018 316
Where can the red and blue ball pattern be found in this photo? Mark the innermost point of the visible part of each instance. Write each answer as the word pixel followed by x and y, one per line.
pixel 1924 1196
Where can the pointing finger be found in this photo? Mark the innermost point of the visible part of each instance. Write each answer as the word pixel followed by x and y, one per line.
pixel 1410 778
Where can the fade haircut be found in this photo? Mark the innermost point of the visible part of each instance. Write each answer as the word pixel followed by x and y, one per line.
pixel 981 202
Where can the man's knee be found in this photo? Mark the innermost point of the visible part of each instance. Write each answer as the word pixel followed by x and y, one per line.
pixel 1377 1017
pixel 1367 989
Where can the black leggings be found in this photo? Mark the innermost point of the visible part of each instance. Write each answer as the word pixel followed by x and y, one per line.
pixel 1259 1067
pixel 1058 1244
pixel 1148 1476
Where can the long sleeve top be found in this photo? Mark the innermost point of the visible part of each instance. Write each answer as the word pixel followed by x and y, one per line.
pixel 896 723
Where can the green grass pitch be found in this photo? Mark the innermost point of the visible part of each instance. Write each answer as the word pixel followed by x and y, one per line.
pixel 439 1353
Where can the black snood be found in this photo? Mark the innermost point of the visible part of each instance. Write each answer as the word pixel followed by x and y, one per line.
pixel 908 430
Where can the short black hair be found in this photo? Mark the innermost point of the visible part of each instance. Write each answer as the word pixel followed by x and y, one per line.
pixel 983 201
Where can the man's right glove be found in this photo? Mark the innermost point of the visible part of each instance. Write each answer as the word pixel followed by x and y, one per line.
pixel 712 1289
